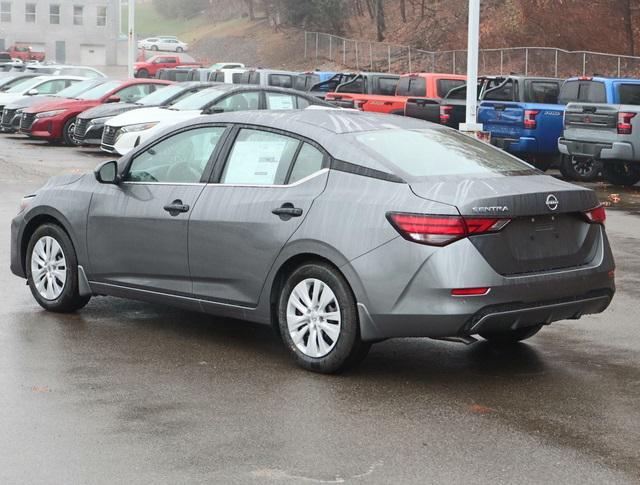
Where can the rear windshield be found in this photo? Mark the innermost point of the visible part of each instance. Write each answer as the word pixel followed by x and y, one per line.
pixel 505 92
pixel 582 92
pixel 436 152
pixel 629 94
pixel 542 92
pixel 412 86
pixel 280 80
pixel 100 91
pixel 446 85
pixel 387 86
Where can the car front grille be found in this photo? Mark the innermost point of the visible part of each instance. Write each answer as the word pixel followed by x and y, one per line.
pixel 26 121
pixel 7 116
pixel 109 135
pixel 80 128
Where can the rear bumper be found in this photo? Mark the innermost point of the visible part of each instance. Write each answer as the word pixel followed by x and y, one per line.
pixel 395 301
pixel 599 150
pixel 516 145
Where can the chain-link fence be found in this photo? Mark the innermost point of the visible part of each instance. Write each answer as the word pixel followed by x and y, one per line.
pixel 533 61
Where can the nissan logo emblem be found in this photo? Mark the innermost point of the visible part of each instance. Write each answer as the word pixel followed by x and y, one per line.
pixel 552 202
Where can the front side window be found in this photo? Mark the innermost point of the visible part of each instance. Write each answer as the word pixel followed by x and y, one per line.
pixel 52 87
pixel 179 159
pixel 355 86
pixel 543 92
pixel 412 86
pixel 259 158
pixel 30 13
pixel 280 101
pixel 446 85
pixel 629 94
pixel 240 102
pixel 78 15
pixel 387 86
pixel 5 12
pixel 101 19
pixel 503 93
pixel 54 14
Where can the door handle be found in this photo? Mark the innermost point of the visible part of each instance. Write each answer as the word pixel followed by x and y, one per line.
pixel 176 207
pixel 287 211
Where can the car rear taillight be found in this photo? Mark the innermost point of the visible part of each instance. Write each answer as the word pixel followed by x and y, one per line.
pixel 470 292
pixel 445 114
pixel 597 215
pixel 359 104
pixel 530 115
pixel 624 123
pixel 442 230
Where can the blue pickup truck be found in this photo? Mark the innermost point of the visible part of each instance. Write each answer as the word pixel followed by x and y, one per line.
pixel 525 118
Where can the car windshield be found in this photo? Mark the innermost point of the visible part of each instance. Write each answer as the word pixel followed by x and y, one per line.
pixel 200 99
pixel 76 89
pixel 161 96
pixel 99 91
pixel 25 85
pixel 436 152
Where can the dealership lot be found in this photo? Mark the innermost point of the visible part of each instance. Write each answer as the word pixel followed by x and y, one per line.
pixel 126 392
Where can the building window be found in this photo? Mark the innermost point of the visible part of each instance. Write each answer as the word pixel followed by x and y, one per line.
pixel 30 13
pixel 54 14
pixel 78 12
pixel 5 12
pixel 102 16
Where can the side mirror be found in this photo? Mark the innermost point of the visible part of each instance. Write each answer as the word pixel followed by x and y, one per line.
pixel 33 92
pixel 107 173
pixel 113 99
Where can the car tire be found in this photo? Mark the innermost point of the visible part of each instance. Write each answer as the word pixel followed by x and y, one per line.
pixel 67 132
pixel 318 320
pixel 143 73
pixel 52 270
pixel 179 49
pixel 511 337
pixel 154 47
pixel 580 169
pixel 621 173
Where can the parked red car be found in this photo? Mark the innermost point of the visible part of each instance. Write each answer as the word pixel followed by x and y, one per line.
pixel 359 93
pixel 55 120
pixel 25 53
pixel 150 67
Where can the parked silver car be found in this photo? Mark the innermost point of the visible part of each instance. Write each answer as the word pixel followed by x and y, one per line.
pixel 338 228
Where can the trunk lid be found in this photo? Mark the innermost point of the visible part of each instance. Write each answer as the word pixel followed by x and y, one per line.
pixel 548 229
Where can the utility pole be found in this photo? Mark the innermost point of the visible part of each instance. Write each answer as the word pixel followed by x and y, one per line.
pixel 471 126
pixel 132 46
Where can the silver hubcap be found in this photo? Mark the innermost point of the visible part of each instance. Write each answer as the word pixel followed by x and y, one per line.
pixel 313 318
pixel 48 268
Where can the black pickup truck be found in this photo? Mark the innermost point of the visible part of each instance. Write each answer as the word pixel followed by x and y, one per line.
pixel 452 108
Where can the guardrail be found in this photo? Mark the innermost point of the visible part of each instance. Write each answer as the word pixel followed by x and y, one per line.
pixel 535 61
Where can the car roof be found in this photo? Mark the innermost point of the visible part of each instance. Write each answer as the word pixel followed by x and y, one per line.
pixel 604 79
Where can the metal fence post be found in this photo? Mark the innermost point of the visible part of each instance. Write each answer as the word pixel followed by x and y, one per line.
pixel 619 65
pixel 357 60
pixel 526 62
pixel 305 44
pixel 584 64
pixel 389 56
pixel 330 47
pixel 501 61
pixel 433 62
pixel 454 62
pixel 556 70
pixel 317 44
pixel 344 52
pixel 410 59
pixel 371 54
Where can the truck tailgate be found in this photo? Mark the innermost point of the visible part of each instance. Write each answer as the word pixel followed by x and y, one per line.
pixel 502 119
pixel 591 122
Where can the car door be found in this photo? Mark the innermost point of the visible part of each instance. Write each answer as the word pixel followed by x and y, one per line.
pixel 261 195
pixel 137 230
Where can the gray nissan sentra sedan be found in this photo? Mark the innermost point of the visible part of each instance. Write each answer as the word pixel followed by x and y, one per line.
pixel 338 228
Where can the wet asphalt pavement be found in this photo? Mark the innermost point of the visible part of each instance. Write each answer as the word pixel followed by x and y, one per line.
pixel 126 392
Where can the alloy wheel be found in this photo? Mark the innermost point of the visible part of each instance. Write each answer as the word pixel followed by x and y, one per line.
pixel 48 268
pixel 583 166
pixel 313 318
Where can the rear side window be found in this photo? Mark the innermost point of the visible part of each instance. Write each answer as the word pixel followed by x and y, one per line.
pixel 446 85
pixel 280 80
pixel 309 161
pixel 217 77
pixel 355 86
pixel 254 78
pixel 629 94
pixel 503 93
pixel 543 92
pixel 260 158
pixel 436 152
pixel 387 86
pixel 412 86
pixel 582 92
pixel 236 78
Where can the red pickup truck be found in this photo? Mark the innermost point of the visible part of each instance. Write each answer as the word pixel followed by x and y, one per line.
pixel 360 92
pixel 25 53
pixel 150 67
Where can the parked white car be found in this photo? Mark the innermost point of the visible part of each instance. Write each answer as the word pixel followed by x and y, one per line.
pixel 40 85
pixel 167 44
pixel 227 65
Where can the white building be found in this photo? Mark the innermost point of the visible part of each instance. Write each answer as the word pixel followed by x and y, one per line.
pixel 69 31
